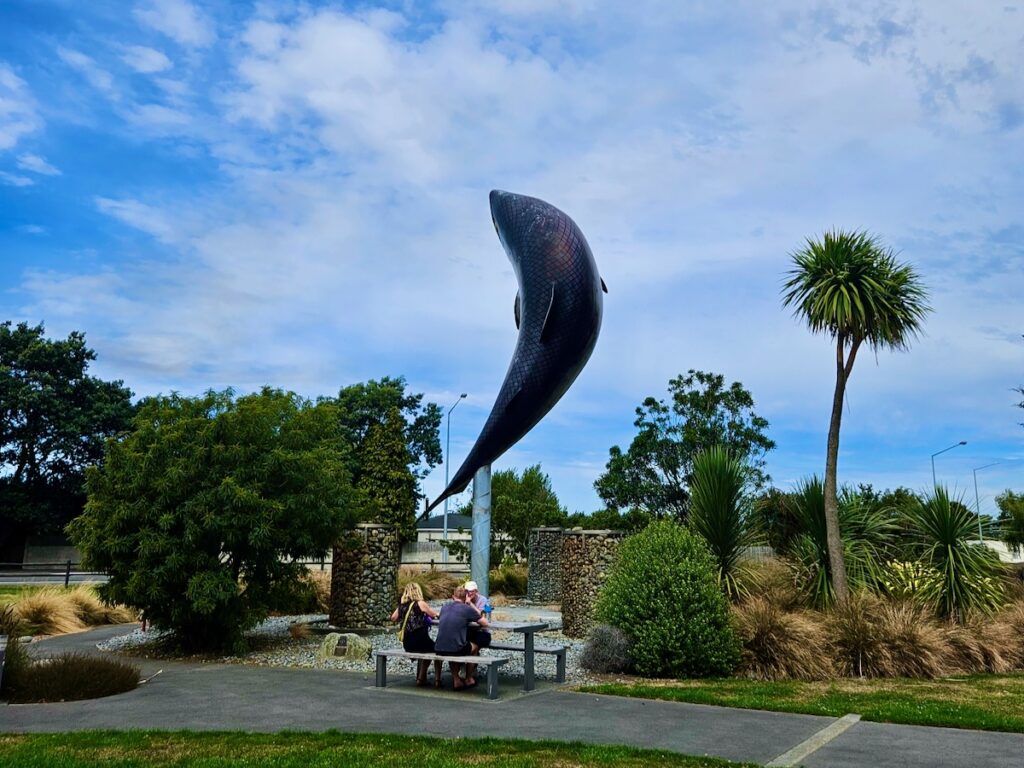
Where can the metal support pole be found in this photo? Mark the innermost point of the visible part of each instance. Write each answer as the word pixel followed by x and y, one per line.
pixel 480 561
pixel 67 574
pixel 447 464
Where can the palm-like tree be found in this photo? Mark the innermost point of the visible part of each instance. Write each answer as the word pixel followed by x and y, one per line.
pixel 720 511
pixel 850 287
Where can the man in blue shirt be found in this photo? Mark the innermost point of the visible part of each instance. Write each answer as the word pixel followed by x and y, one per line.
pixel 453 636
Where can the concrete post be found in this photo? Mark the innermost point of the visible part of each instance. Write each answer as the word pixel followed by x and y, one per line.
pixel 480 559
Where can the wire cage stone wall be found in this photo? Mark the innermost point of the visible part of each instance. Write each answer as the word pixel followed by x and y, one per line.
pixel 586 557
pixel 544 583
pixel 364 577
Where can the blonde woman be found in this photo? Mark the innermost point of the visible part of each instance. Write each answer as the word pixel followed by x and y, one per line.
pixel 412 613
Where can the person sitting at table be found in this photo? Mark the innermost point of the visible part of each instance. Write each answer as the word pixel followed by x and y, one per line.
pixel 452 636
pixel 413 612
pixel 481 637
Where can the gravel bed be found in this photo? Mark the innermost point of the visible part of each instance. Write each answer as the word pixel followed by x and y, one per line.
pixel 280 649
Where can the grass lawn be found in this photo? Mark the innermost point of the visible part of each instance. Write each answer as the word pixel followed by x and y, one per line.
pixel 980 702
pixel 313 750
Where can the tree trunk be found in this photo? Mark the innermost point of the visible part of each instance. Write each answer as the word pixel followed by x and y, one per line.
pixel 837 563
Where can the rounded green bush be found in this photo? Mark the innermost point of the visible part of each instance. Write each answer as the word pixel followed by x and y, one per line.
pixel 663 591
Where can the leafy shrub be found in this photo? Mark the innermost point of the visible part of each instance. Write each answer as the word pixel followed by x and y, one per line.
pixel 968 575
pixel 607 650
pixel 68 677
pixel 663 591
pixel 509 580
pixel 781 645
pixel 722 514
pixel 906 580
pixel 866 532
pixel 200 514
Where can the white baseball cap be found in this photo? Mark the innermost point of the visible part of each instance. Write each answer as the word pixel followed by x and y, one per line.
pixel 471 586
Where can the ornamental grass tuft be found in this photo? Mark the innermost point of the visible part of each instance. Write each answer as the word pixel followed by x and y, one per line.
pixel 781 645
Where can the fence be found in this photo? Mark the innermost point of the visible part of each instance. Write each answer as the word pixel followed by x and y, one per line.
pixel 30 572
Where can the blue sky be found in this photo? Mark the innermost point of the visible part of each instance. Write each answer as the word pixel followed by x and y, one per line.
pixel 295 194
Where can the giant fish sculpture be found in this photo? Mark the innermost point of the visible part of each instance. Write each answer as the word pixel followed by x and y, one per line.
pixel 558 314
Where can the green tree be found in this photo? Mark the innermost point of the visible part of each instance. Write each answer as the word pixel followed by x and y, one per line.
pixel 199 514
pixel 610 519
pixel 386 486
pixel 363 409
pixel 848 286
pixel 720 511
pixel 54 418
pixel 1011 519
pixel 519 503
pixel 654 475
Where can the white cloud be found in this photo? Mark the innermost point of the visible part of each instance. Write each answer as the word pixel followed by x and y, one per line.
pixel 13 180
pixel 32 229
pixel 145 60
pixel 37 164
pixel 18 116
pixel 143 217
pixel 180 20
pixel 96 75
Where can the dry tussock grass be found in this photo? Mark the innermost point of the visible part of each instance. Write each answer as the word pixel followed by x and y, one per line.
pixel 55 611
pixel 48 612
pixel 781 645
pixel 914 643
pixel 321 581
pixel 436 585
pixel 775 582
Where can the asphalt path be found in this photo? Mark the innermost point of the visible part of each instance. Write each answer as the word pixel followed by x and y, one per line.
pixel 248 698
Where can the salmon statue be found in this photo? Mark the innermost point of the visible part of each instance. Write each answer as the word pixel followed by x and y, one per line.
pixel 558 313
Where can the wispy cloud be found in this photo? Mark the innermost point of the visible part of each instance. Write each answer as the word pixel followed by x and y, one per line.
pixel 13 180
pixel 18 115
pixel 37 164
pixel 145 60
pixel 143 217
pixel 180 20
pixel 98 77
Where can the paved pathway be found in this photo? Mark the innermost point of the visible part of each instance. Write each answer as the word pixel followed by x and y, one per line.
pixel 227 696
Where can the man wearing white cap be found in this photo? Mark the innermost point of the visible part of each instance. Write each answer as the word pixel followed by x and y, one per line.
pixel 479 637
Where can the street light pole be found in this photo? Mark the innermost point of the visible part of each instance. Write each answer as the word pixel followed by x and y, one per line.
pixel 447 462
pixel 977 501
pixel 957 445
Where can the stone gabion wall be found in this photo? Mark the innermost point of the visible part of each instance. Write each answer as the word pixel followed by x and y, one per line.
pixel 586 557
pixel 364 577
pixel 545 565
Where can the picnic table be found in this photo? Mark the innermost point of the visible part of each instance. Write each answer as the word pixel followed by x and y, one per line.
pixel 527 629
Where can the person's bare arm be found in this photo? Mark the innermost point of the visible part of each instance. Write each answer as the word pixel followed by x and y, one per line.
pixel 394 616
pixel 425 607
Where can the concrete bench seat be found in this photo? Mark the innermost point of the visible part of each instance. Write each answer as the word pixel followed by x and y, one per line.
pixel 490 663
pixel 559 651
